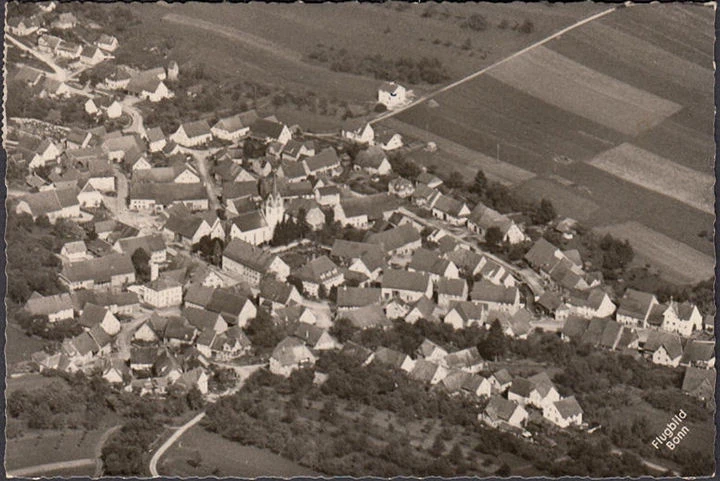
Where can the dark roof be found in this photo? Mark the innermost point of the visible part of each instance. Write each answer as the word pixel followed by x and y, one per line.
pixel 695 378
pixel 249 255
pixel 449 205
pixel 464 358
pixel 425 260
pixel 405 280
pixel 500 408
pixel 100 269
pixel 92 315
pixel 197 128
pixel 357 296
pixel 44 305
pixel 371 158
pixel 374 206
pixel 368 316
pixel 318 270
pixel 671 343
pixel 568 407
pixel 698 351
pixel 200 318
pixel 263 129
pixel 325 159
pixel 166 193
pixel 350 250
pixel 522 387
pixel 150 243
pixel 391 357
pixel 395 238
pixel 276 291
pixel 542 255
pixel 228 302
pixel 185 226
pixel 575 327
pixel 486 291
pixel 635 303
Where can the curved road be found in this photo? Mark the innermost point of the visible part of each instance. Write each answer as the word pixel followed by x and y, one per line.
pixel 170 441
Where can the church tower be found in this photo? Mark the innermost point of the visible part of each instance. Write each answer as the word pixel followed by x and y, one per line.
pixel 273 208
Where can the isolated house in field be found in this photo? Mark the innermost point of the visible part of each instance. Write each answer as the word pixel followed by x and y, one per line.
pixel 289 355
pixel 564 413
pixel 191 134
pixel 392 95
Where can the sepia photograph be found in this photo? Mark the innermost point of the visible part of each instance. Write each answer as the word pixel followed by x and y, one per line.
pixel 437 239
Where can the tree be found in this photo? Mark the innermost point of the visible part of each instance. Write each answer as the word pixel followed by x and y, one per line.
pixel 141 261
pixel 455 180
pixel 479 183
pixel 342 330
pixel 438 447
pixel 493 237
pixel 544 213
pixel 495 343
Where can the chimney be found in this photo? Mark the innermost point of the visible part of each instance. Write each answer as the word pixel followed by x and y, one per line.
pixel 154 269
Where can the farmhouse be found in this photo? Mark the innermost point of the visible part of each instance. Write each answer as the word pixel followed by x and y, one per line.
pixel 325 162
pixel 56 308
pixel 191 134
pixel 450 210
pixel 699 383
pixel 403 240
pixel 407 286
pixel 94 315
pixel 252 263
pixel 465 314
pixel 699 354
pixel 393 358
pixel 55 204
pixel 451 291
pixel 235 127
pixel 269 131
pixel 590 304
pixel 430 351
pixel 496 298
pixel 156 139
pixel 316 338
pixel 320 272
pixel 663 348
pixel 107 43
pixel 682 318
pixel 635 308
pixel 278 294
pixel 501 411
pixel 159 197
pixel 289 355
pixel 373 161
pixel 428 372
pixel 149 87
pixel 162 293
pixel 427 261
pixel 114 270
pixel 483 218
pixel 357 131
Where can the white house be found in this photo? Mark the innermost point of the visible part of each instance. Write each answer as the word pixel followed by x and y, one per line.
pixel 564 413
pixel 408 286
pixel 392 95
pixel 191 134
pixel 500 411
pixel 289 355
pixel 682 318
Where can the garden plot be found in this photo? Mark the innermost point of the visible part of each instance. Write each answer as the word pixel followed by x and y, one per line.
pixel 582 91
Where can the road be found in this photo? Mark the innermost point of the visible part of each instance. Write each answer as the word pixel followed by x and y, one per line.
pixel 59 72
pixel 125 336
pixel 44 468
pixel 200 157
pixel 138 123
pixel 649 464
pixel 452 85
pixel 170 441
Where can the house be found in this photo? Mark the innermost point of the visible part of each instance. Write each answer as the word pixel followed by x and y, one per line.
pixel 235 127
pixel 699 383
pixel 373 161
pixel 483 218
pixel 188 230
pixel 68 50
pixel 142 358
pixel 699 354
pixel 53 203
pixel 306 210
pixel 162 293
pixel 289 355
pixel 393 358
pixel 476 385
pixel 358 131
pixel 465 314
pixel 195 378
pixel 427 261
pixel 408 286
pixel 664 348
pixel 450 210
pixel 320 272
pixel 74 251
pixel 252 263
pixel 316 338
pixel 496 298
pixel 90 197
pixel 403 240
pixel 500 381
pixel 388 140
pixel 229 345
pixel 65 21
pixel 102 339
pixel 500 411
pixel 392 95
pixel 22 27
pixel 269 131
pixel 115 371
pixel 451 291
pixel 178 331
pixel 427 372
pixel 107 42
pixel 635 308
pixel 496 273
pixel 192 134
pixel 367 317
pixel 80 349
pixel 148 86
pixel 547 393
pixel 429 180
pixel 91 55
pixel 430 351
pixel 57 307
pixel 145 333
pixel 235 307
pixel 325 162
pixel 118 148
pixel 156 139
pixel 360 211
pixel 45 152
pixel 454 381
pixel 401 187
pixel 469 263
pixel 682 318
pixel 28 75
pixel 359 257
pixel 590 304
pixel 423 308
pixel 295 150
pixel 119 303
pixel 94 315
pixel 513 325
pixel 279 294
pixel 523 392
pixel 294 314
pixel 153 245
pixel 204 320
pixel 564 413
pixel 349 298
pixel 157 197
pixel 101 175
pixel 468 360
pixel 114 271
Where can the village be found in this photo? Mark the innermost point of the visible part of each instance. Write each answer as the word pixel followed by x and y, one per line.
pixel 193 243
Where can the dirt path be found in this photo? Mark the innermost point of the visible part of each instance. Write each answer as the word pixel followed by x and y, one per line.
pixel 170 441
pixel 44 468
pixel 98 449
pixel 482 71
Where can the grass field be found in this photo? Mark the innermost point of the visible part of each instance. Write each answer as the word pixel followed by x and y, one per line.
pixel 43 447
pixel 676 261
pixel 18 346
pixel 659 175
pixel 221 457
pixel 567 200
pixel 642 76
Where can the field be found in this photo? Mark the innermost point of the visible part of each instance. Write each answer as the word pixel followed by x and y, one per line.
pixel 43 447
pixel 642 77
pixel 675 260
pixel 221 457
pixel 567 199
pixel 658 174
pixel 18 346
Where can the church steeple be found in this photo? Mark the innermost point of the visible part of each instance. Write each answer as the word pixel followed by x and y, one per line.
pixel 274 208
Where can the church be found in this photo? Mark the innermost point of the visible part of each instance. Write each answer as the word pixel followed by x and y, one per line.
pixel 257 227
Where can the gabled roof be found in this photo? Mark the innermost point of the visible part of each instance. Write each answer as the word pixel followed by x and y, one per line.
pixel 373 206
pixel 100 269
pixel 150 243
pixel 671 343
pixel 350 250
pixel 575 327
pixel 522 387
pixel 358 296
pixel 502 376
pixel 250 221
pixel 356 351
pixel 695 378
pixel 92 315
pixel 249 255
pixel 263 128
pixel 485 217
pixel 449 205
pixel 486 291
pixel 427 348
pixel 276 291
pixel 465 259
pixel 318 270
pixel 425 260
pixel 44 305
pixel 144 82
pixel 635 304
pixel 308 333
pixel 371 158
pixel 468 311
pixel 455 380
pixel 368 316
pixel 405 280
pixel 698 351
pixel 197 128
pixel 395 238
pixel 236 190
pixel 424 371
pixel 47 201
pixel 543 255
pixel 185 226
pixel 500 408
pixel 389 356
pixel 291 351
pixel 425 307
pixel 202 319
pixel 568 407
pixel 167 193
pixel 227 302
pixel 325 159
pixel 464 358
pixel 199 295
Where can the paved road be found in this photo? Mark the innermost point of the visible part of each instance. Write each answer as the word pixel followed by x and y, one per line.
pixel 555 35
pixel 44 468
pixel 170 441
